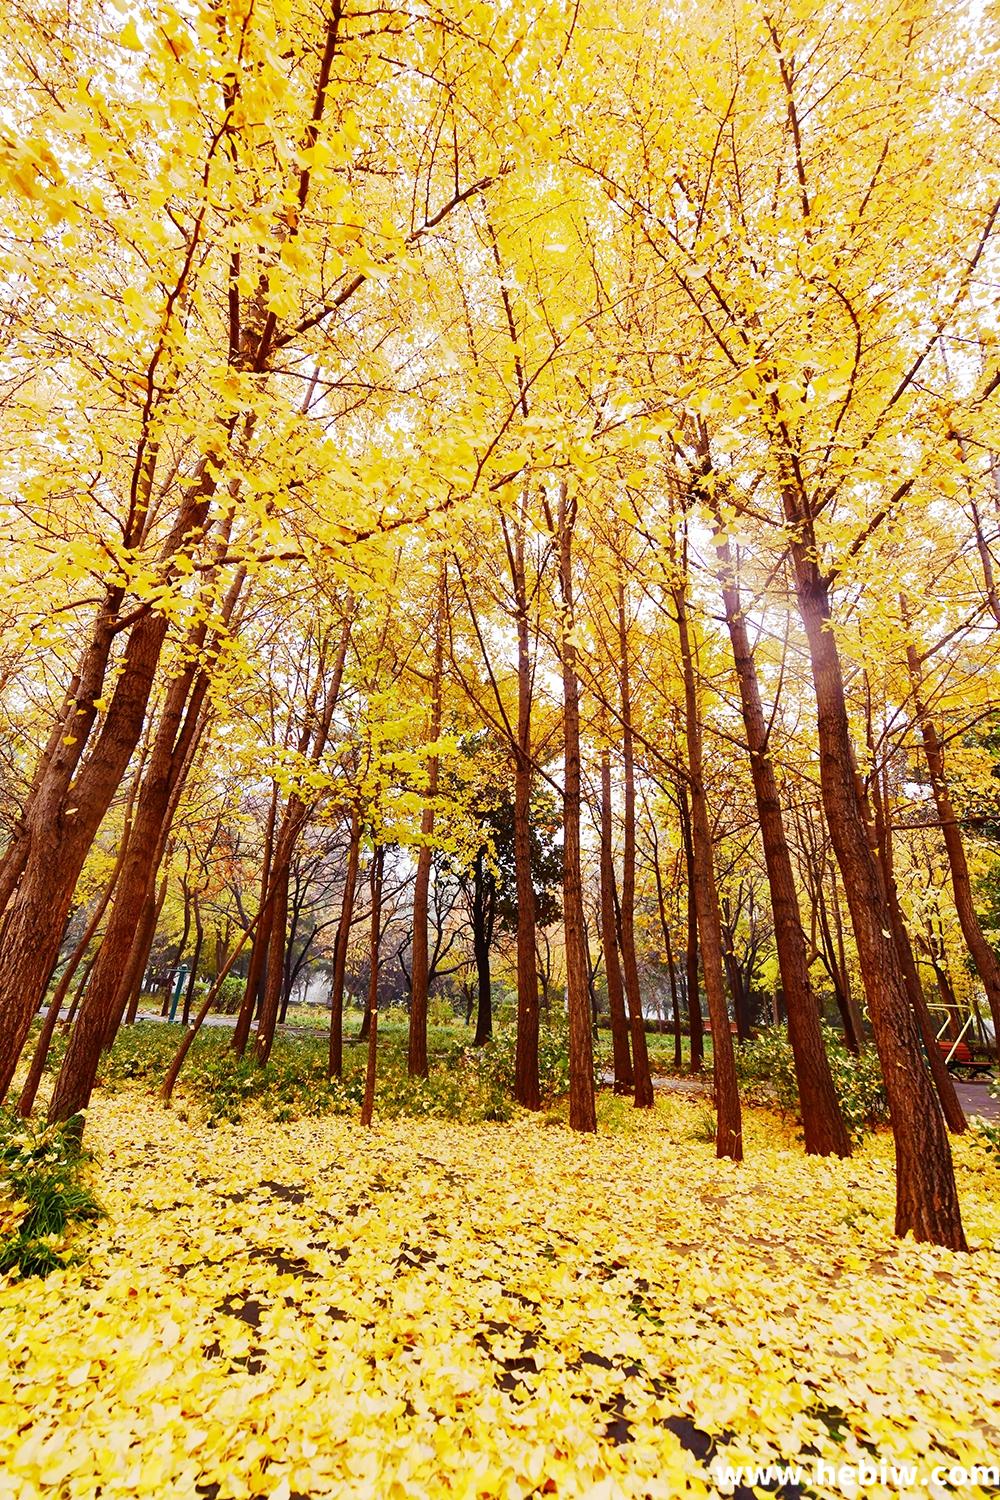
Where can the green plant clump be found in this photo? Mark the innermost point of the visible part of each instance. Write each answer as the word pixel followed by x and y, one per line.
pixel 44 1196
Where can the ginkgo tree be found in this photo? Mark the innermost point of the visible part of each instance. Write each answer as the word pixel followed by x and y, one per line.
pixel 616 392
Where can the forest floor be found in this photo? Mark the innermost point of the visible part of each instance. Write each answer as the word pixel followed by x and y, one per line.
pixel 434 1308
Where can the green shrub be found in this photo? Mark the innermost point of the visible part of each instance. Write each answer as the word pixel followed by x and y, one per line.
pixel 43 1196
pixel 766 1071
pixel 230 997
pixel 496 1061
pixel 440 1012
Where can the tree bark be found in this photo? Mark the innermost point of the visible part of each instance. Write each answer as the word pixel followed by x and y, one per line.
pixel 368 1103
pixel 951 1106
pixel 983 956
pixel 26 1103
pixel 526 1085
pixel 696 1029
pixel 71 795
pixel 336 1059
pixel 729 1125
pixel 274 972
pixel 123 948
pixel 822 1122
pixel 668 949
pixel 262 935
pixel 199 937
pixel 640 1056
pixel 138 960
pixel 926 1196
pixel 582 1107
pixel 417 1041
pixel 624 1080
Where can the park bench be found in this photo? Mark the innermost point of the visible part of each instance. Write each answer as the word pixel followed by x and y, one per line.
pixel 959 1057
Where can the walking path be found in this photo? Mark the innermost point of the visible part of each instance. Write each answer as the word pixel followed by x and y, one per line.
pixel 976 1099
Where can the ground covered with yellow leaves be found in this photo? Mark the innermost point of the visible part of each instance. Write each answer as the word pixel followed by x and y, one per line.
pixel 310 1309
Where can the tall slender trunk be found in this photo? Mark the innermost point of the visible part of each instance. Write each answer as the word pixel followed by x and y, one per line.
pixel 482 935
pixel 729 1125
pixel 179 950
pixel 526 1084
pixel 63 823
pixel 624 1080
pixel 262 936
pixel 335 1066
pixel 737 988
pixel 822 1122
pixel 854 1030
pixel 138 960
pixel 173 1072
pixel 582 1108
pixel 275 969
pixel 881 838
pixel 640 1057
pixel 312 743
pixel 668 949
pixel 926 1196
pixel 417 1043
pixel 696 1028
pixel 199 937
pixel 368 1103
pixel 983 956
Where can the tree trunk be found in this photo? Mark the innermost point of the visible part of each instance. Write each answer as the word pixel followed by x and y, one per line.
pixel 737 989
pixel 882 838
pixel 417 1049
pixel 983 956
pixel 179 952
pixel 484 995
pixel 275 964
pixel 199 936
pixel 258 950
pixel 173 1072
pixel 926 1196
pixel 526 1086
pixel 851 1008
pixel 696 1030
pixel 26 1103
pixel 335 1067
pixel 483 903
pixel 368 1103
pixel 640 1057
pixel 624 1080
pixel 582 1108
pixel 138 961
pixel 729 1126
pixel 822 1122
pixel 71 796
pixel 121 952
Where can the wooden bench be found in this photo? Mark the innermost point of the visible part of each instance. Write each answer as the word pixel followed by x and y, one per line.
pixel 962 1058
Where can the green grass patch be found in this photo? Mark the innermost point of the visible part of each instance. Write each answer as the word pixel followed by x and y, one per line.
pixel 44 1196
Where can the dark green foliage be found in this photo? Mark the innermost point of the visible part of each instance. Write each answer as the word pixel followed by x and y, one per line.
pixel 766 1071
pixel 496 1060
pixel 44 1194
pixel 230 996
